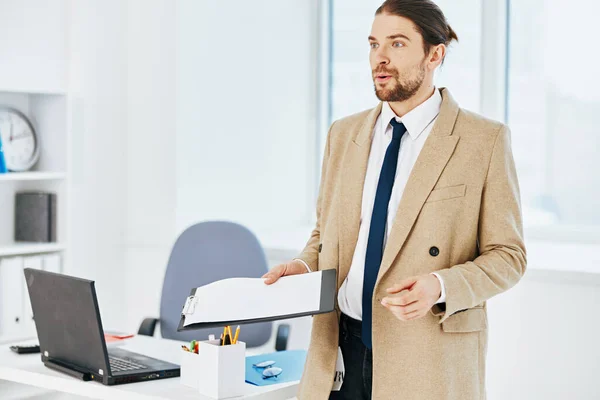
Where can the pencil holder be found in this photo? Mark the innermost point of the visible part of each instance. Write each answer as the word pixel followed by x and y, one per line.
pixel 216 371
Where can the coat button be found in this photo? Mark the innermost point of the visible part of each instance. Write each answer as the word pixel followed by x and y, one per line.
pixel 320 247
pixel 434 251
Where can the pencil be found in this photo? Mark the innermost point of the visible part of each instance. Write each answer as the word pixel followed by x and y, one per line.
pixel 237 333
pixel 224 336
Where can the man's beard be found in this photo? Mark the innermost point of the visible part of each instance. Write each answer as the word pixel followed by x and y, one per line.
pixel 401 91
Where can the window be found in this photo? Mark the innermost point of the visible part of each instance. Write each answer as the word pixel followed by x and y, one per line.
pixel 351 84
pixel 553 107
pixel 526 62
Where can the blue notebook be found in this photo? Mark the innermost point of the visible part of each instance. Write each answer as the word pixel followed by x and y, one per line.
pixel 291 363
pixel 2 159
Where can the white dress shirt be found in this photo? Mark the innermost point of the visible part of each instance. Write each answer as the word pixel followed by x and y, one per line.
pixel 418 123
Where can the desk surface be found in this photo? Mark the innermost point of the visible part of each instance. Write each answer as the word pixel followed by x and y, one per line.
pixel 28 369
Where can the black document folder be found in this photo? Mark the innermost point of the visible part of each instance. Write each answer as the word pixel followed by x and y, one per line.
pixel 327 304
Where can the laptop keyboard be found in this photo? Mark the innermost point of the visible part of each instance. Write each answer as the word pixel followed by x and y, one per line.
pixel 118 364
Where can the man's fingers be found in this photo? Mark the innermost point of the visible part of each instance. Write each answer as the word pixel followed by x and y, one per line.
pixel 411 308
pixel 401 312
pixel 404 298
pixel 413 315
pixel 406 310
pixel 291 268
pixel 403 284
pixel 273 275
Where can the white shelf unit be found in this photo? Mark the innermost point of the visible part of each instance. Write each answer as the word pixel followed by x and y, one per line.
pixel 32 176
pixel 34 72
pixel 25 249
pixel 48 112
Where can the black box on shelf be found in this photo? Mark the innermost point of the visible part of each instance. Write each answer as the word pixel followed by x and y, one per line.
pixel 35 217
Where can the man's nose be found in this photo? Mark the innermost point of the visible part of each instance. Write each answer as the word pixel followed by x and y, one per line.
pixel 381 58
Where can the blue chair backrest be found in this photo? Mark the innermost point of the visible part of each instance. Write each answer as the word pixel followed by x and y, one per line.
pixel 204 253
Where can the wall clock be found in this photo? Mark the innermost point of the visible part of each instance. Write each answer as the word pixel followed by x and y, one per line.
pixel 20 141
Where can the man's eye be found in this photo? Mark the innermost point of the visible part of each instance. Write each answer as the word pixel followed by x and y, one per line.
pixel 398 44
pixel 373 45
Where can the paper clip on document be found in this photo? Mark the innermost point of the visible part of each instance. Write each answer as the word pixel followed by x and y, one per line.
pixel 189 306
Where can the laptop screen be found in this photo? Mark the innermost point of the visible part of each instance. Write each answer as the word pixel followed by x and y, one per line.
pixel 67 320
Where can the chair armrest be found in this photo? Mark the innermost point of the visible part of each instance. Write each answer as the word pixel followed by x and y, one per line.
pixel 281 341
pixel 148 326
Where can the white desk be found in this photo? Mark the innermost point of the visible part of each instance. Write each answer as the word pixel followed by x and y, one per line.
pixel 29 370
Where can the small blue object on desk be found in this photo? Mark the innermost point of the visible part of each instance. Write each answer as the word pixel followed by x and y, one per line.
pixel 3 168
pixel 291 363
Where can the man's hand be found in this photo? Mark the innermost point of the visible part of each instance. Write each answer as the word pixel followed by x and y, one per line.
pixel 416 296
pixel 290 268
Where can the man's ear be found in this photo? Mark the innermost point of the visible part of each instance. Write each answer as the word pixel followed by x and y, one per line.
pixel 436 55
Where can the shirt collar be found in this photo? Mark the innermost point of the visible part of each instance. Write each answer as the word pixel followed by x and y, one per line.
pixel 417 119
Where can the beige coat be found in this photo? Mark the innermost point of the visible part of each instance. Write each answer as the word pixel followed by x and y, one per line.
pixel 463 198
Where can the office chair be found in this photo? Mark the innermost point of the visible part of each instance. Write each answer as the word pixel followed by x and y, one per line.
pixel 204 253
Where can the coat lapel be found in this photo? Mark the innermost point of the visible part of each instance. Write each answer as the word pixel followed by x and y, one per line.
pixel 352 182
pixel 432 159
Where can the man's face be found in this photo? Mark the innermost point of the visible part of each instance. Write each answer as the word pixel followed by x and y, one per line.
pixel 397 57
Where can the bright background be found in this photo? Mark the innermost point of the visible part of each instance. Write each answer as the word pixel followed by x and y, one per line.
pixel 185 111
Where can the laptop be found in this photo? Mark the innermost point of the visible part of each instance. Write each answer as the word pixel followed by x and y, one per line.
pixel 69 328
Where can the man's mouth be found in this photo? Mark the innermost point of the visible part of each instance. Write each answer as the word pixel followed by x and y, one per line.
pixel 382 78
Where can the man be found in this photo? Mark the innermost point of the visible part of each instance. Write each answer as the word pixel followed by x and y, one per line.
pixel 419 213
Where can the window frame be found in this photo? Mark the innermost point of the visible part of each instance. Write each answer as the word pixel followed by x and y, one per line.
pixel 494 94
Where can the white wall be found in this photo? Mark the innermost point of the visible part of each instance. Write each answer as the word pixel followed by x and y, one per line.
pixel 31 62
pixel 98 84
pixel 150 221
pixel 190 79
pixel 122 81
pixel 246 112
pixel 543 337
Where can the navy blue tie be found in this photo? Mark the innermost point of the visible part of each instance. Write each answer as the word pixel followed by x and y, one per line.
pixel 377 230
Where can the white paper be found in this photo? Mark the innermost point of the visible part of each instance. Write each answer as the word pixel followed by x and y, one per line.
pixel 340 370
pixel 250 298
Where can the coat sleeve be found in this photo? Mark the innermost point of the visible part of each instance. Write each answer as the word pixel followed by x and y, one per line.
pixel 310 254
pixel 502 257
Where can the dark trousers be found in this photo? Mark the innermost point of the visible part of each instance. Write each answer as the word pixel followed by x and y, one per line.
pixel 358 362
